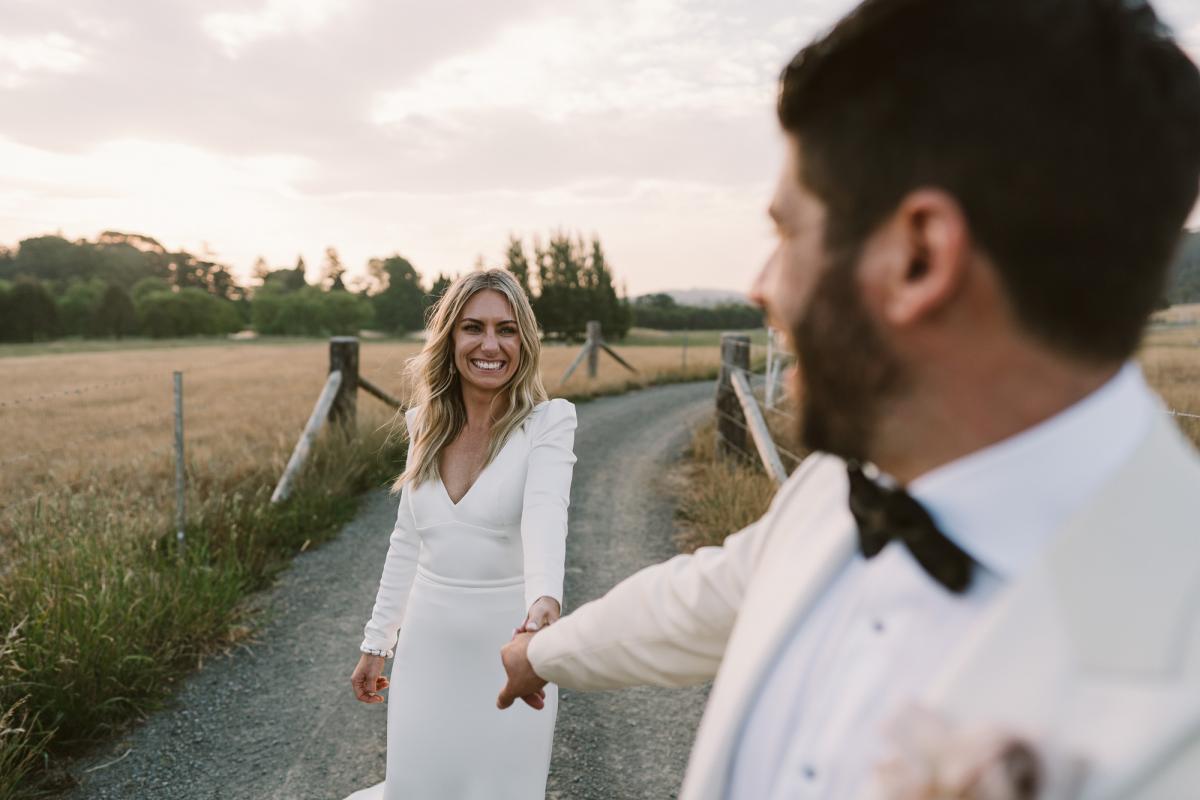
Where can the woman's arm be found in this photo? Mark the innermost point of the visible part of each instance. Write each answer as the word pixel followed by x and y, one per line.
pixel 399 569
pixel 547 495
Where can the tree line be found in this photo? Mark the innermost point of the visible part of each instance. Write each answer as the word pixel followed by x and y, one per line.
pixel 662 312
pixel 131 285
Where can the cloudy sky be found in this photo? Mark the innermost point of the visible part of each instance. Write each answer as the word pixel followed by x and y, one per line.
pixel 432 129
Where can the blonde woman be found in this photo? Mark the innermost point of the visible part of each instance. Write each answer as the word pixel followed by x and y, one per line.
pixel 477 552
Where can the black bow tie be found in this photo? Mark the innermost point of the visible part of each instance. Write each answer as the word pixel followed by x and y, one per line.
pixel 884 514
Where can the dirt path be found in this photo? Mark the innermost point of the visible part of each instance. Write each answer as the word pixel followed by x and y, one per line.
pixel 276 720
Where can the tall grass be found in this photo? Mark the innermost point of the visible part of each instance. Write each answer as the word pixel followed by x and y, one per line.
pixel 104 614
pixel 717 496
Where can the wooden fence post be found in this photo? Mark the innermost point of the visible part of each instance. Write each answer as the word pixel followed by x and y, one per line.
pixel 594 337
pixel 591 351
pixel 731 421
pixel 343 357
pixel 180 466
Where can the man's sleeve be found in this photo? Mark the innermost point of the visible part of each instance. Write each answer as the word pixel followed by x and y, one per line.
pixel 666 625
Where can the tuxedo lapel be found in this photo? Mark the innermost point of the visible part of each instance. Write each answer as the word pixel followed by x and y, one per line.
pixel 811 539
pixel 1104 598
pixel 1097 622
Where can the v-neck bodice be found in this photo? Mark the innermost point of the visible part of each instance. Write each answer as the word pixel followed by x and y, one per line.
pixel 478 477
pixel 511 523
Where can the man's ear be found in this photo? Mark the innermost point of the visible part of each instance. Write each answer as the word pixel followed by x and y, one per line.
pixel 929 256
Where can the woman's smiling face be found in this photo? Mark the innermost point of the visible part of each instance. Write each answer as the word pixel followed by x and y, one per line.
pixel 487 342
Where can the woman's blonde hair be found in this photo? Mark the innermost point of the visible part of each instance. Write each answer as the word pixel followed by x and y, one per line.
pixel 435 383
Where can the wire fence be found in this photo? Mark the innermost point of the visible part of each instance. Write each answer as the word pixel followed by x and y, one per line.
pixel 39 462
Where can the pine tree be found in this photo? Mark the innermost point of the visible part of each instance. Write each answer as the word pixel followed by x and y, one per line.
pixel 516 263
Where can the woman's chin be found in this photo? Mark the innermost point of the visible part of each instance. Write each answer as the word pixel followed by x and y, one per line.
pixel 487 381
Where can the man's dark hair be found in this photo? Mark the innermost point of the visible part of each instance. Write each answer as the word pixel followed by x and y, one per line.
pixel 1067 130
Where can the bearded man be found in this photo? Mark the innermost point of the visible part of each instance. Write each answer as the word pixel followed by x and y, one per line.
pixel 999 529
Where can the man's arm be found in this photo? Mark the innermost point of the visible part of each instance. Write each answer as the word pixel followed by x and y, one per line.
pixel 666 625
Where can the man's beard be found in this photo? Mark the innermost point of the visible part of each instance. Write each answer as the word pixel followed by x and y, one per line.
pixel 846 371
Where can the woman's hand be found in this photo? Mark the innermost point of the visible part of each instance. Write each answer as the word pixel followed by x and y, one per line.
pixel 368 679
pixel 544 611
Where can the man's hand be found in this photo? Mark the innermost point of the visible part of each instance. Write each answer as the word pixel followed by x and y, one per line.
pixel 523 682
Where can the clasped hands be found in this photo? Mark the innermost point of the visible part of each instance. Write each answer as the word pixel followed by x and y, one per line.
pixel 368 679
pixel 523 682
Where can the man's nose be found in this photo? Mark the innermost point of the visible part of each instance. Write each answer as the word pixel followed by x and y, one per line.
pixel 757 286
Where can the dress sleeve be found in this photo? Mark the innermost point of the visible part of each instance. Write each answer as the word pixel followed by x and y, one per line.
pixel 399 569
pixel 547 495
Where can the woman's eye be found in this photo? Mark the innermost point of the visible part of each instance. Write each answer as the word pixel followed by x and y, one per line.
pixel 508 331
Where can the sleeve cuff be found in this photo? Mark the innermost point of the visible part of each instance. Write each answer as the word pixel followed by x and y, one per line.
pixel 533 592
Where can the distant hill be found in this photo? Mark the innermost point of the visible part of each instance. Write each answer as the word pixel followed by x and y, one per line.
pixel 705 298
pixel 1184 283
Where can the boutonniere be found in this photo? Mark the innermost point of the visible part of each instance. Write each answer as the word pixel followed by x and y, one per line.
pixel 933 759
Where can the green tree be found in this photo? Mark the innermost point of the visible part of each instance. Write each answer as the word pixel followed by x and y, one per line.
pixel 284 280
pixel 148 286
pixel 400 306
pixel 77 306
pixel 29 312
pixel 115 315
pixel 516 262
pixel 344 313
pixel 188 312
pixel 604 305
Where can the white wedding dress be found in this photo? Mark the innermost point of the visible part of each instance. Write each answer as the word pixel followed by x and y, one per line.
pixel 457 579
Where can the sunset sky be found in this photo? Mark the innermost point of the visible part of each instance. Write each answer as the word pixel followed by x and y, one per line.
pixel 279 127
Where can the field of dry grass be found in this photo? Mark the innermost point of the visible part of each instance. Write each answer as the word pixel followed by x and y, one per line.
pixel 88 421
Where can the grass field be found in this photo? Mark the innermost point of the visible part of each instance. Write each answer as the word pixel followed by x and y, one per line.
pixel 82 420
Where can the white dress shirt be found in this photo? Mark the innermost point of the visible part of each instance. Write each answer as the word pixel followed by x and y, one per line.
pixel 882 628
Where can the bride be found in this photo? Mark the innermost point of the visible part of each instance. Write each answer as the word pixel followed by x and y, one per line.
pixel 477 550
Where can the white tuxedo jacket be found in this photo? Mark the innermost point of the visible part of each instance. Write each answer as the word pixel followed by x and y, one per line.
pixel 1093 652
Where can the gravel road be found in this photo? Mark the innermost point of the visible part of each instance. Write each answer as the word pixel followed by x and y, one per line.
pixel 275 720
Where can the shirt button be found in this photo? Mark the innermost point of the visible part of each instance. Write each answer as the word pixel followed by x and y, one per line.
pixel 809 772
pixel 878 626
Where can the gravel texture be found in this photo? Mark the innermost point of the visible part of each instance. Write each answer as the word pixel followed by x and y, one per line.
pixel 276 720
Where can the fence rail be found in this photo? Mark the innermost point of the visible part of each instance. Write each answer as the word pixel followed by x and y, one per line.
pixel 742 429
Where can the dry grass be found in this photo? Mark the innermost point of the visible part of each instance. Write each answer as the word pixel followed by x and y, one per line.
pixel 717 497
pixel 91 421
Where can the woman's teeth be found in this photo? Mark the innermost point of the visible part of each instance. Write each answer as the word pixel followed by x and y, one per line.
pixel 489 366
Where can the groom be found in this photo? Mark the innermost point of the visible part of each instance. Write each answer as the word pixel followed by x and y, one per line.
pixel 1000 526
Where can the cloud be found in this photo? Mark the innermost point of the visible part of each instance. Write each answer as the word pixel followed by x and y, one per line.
pixel 235 30
pixel 22 58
